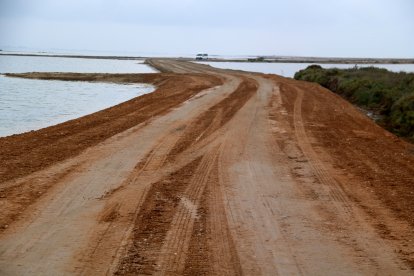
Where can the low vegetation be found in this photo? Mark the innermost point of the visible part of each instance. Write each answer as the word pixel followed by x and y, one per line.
pixel 388 94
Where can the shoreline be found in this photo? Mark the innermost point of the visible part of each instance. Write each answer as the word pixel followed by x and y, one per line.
pixel 85 98
pixel 73 56
pixel 267 59
pixel 323 61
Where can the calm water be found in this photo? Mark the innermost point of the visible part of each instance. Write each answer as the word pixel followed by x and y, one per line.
pixel 33 104
pixel 289 69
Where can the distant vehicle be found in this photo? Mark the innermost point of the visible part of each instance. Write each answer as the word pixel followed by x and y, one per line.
pixel 258 59
pixel 202 57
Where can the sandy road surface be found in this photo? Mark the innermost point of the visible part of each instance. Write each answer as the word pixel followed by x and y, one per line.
pixel 246 177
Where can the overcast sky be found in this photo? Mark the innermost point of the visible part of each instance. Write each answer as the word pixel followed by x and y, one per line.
pixel 345 28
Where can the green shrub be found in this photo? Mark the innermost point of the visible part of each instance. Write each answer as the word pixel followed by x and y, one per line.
pixel 402 116
pixel 389 93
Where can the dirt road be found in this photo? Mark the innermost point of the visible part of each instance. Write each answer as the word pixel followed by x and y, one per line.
pixel 248 174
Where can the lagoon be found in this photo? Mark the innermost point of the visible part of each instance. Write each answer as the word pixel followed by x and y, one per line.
pixel 27 104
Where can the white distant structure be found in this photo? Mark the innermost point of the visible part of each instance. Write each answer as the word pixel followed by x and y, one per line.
pixel 202 57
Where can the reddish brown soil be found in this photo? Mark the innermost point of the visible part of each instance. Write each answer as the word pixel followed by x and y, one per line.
pixel 153 222
pixel 378 161
pixel 216 116
pixel 370 162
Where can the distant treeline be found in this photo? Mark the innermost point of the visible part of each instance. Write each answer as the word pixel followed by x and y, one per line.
pixel 386 93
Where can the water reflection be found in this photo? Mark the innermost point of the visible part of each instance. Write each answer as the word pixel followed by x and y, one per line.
pixel 33 104
pixel 22 64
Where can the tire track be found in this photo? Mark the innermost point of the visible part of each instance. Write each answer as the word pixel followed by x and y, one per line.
pixel 224 256
pixel 333 187
pixel 361 237
pixel 173 253
pixel 216 116
pixel 124 208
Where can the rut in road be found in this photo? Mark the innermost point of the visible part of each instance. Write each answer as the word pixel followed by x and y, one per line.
pixel 175 245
